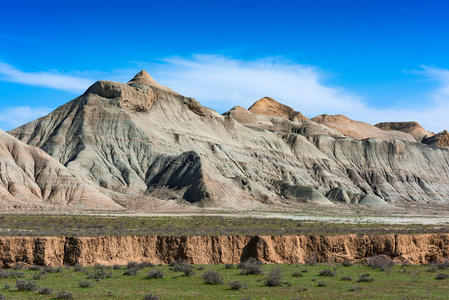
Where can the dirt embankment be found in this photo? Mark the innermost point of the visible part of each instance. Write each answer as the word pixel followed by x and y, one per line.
pixel 109 250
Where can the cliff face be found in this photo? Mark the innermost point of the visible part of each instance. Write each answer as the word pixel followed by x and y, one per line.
pixel 110 250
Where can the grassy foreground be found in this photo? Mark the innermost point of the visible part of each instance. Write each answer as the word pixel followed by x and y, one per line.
pixel 52 225
pixel 400 282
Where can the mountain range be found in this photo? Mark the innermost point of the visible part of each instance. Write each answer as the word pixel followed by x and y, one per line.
pixel 143 146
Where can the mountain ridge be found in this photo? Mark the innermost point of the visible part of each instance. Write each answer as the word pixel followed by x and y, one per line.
pixel 150 147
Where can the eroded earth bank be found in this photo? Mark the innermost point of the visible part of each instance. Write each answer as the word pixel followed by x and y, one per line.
pixel 109 250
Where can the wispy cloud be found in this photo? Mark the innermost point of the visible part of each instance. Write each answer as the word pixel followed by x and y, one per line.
pixel 53 80
pixel 222 82
pixel 11 117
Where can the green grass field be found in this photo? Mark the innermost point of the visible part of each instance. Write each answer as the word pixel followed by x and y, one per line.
pixel 400 282
pixel 50 225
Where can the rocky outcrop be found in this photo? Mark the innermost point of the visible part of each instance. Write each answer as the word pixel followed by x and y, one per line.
pixel 412 128
pixel 359 130
pixel 148 146
pixel 439 140
pixel 110 250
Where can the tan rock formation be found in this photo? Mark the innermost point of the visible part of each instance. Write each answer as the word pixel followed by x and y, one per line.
pixel 110 250
pixel 439 140
pixel 269 107
pixel 360 130
pixel 412 128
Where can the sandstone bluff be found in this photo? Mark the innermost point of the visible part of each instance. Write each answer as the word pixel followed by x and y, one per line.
pixel 143 146
pixel 110 250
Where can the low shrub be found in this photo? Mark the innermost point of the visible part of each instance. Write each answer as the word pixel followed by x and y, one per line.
pixel 49 269
pixel 188 270
pixel 45 291
pixel 229 266
pixel 155 274
pixel 132 265
pixel 274 277
pixel 34 268
pixel 365 278
pixel 347 263
pixel 78 268
pixel 321 284
pixel 39 276
pixel 250 267
pixel 2 297
pixel 441 276
pixel 64 295
pixel 11 274
pixel 116 267
pixel 7 286
pixel 297 274
pixel 212 277
pixel 326 273
pixel 131 272
pixel 150 297
pixel 84 283
pixel 99 274
pixel 381 262
pixel 25 285
pixel 354 288
pixel 346 278
pixel 236 285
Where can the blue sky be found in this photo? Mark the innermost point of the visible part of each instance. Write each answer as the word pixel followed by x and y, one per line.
pixel 370 60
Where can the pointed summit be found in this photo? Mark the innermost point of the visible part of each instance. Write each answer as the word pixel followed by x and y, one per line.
pixel 144 79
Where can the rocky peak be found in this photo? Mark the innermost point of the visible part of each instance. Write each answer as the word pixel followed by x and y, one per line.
pixel 143 77
pixel 269 107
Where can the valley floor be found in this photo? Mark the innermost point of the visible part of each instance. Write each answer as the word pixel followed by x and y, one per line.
pixel 296 282
pixel 216 223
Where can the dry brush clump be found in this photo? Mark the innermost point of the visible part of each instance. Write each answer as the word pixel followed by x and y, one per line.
pixel 365 278
pixel 274 277
pixel 45 291
pixel 326 273
pixel 250 267
pixel 381 262
pixel 154 274
pixel 84 283
pixel 441 276
pixel 64 295
pixel 212 277
pixel 26 285
pixel 237 285
pixel 150 297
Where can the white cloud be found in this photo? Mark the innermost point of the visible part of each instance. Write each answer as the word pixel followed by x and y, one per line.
pixel 221 83
pixel 46 79
pixel 11 117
